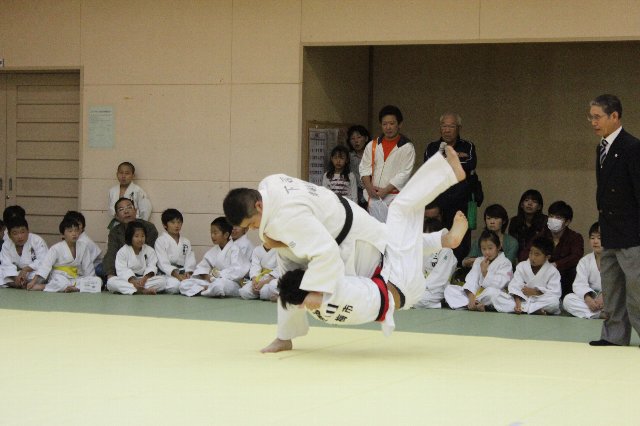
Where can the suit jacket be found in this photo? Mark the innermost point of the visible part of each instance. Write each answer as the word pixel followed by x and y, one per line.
pixel 618 193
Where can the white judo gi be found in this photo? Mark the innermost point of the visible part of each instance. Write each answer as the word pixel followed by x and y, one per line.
pixel 587 281
pixel 439 266
pixel 61 270
pixel 547 280
pixel 134 193
pixel 129 265
pixel 358 300
pixel 226 267
pixel 94 250
pixel 308 218
pixel 263 264
pixel 11 263
pixel 174 255
pixel 245 247
pixel 499 274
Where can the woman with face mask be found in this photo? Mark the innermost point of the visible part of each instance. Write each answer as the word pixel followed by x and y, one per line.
pixel 568 244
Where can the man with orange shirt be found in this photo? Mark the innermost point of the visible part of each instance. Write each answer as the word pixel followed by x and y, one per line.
pixel 388 160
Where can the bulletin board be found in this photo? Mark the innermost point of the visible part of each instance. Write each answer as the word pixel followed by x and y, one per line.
pixel 319 140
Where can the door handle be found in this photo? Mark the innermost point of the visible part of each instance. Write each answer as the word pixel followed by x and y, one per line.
pixel 10 184
pixel 1 184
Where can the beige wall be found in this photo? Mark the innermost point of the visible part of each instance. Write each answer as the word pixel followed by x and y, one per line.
pixel 208 94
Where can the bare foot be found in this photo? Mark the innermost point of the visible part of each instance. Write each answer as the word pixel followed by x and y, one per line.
pixel 454 237
pixel 36 287
pixel 603 315
pixel 71 289
pixel 454 162
pixel 277 345
pixel 480 307
pixel 149 291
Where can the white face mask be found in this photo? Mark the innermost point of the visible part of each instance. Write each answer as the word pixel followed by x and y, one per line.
pixel 554 225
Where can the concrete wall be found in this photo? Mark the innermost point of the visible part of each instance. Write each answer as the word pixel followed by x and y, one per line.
pixel 208 94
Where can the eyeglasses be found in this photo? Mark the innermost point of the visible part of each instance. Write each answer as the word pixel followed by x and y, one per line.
pixel 596 117
pixel 125 209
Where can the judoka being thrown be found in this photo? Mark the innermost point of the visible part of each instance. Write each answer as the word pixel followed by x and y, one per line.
pixel 330 237
pixel 401 283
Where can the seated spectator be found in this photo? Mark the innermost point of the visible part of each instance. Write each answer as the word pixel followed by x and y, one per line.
pixel 529 222
pixel 176 259
pixel 586 301
pixel 496 219
pixel 263 275
pixel 21 254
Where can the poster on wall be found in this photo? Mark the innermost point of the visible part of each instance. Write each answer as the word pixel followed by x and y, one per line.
pixel 101 126
pixel 321 142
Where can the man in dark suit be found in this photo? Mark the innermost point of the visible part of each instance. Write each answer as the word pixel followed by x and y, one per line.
pixel 618 200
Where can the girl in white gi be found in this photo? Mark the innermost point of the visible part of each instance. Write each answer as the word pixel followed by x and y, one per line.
pixel 68 265
pixel 586 301
pixel 263 275
pixel 126 188
pixel 93 247
pixel 176 260
pixel 358 300
pixel 244 244
pixel 439 266
pixel 221 269
pixel 136 265
pixel 339 177
pixel 489 275
pixel 535 287
pixel 21 254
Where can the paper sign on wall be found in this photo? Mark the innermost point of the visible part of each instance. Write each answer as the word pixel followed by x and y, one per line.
pixel 101 126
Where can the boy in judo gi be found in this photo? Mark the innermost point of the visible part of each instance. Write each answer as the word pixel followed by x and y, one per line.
pixel 401 283
pixel 263 275
pixel 21 254
pixel 93 247
pixel 126 173
pixel 175 256
pixel 68 265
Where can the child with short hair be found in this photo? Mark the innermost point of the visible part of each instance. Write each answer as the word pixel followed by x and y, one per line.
pixel 339 177
pixel 244 244
pixel 68 265
pixel 176 259
pixel 263 275
pixel 93 247
pixel 21 254
pixel 489 275
pixel 222 267
pixel 586 301
pixel 535 287
pixel 10 213
pixel 136 265
pixel 126 188
pixel 439 265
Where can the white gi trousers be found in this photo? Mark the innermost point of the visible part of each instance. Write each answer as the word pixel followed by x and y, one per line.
pixel 119 285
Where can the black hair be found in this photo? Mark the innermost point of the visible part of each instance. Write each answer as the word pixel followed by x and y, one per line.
pixel 431 224
pixel 79 217
pixel 121 199
pixel 1 226
pixel 131 229
pixel 169 214
pixel 544 244
pixel 390 110
pixel 16 222
pixel 562 209
pixel 609 104
pixel 594 229
pixel 497 211
pixel 488 235
pixel 331 169
pixel 68 222
pixel 361 130
pixel 128 164
pixel 223 224
pixel 240 204
pixel 13 211
pixel 289 288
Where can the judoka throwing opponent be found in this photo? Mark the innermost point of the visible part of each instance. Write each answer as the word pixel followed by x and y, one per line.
pixel 401 284
pixel 312 228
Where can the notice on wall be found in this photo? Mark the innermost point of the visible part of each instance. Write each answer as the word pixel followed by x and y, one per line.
pixel 321 142
pixel 101 127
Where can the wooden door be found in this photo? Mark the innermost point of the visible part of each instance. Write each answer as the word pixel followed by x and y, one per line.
pixel 42 147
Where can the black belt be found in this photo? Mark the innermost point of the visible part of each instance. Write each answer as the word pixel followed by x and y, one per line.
pixel 348 221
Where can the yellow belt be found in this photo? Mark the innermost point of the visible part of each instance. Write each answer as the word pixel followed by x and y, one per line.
pixel 72 271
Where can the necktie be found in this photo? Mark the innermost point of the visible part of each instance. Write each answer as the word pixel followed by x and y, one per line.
pixel 603 150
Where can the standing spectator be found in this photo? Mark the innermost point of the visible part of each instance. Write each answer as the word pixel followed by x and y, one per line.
pixel 339 178
pixel 456 197
pixel 388 160
pixel 618 201
pixel 357 138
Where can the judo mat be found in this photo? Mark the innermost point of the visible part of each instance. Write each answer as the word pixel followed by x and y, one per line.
pixel 112 369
